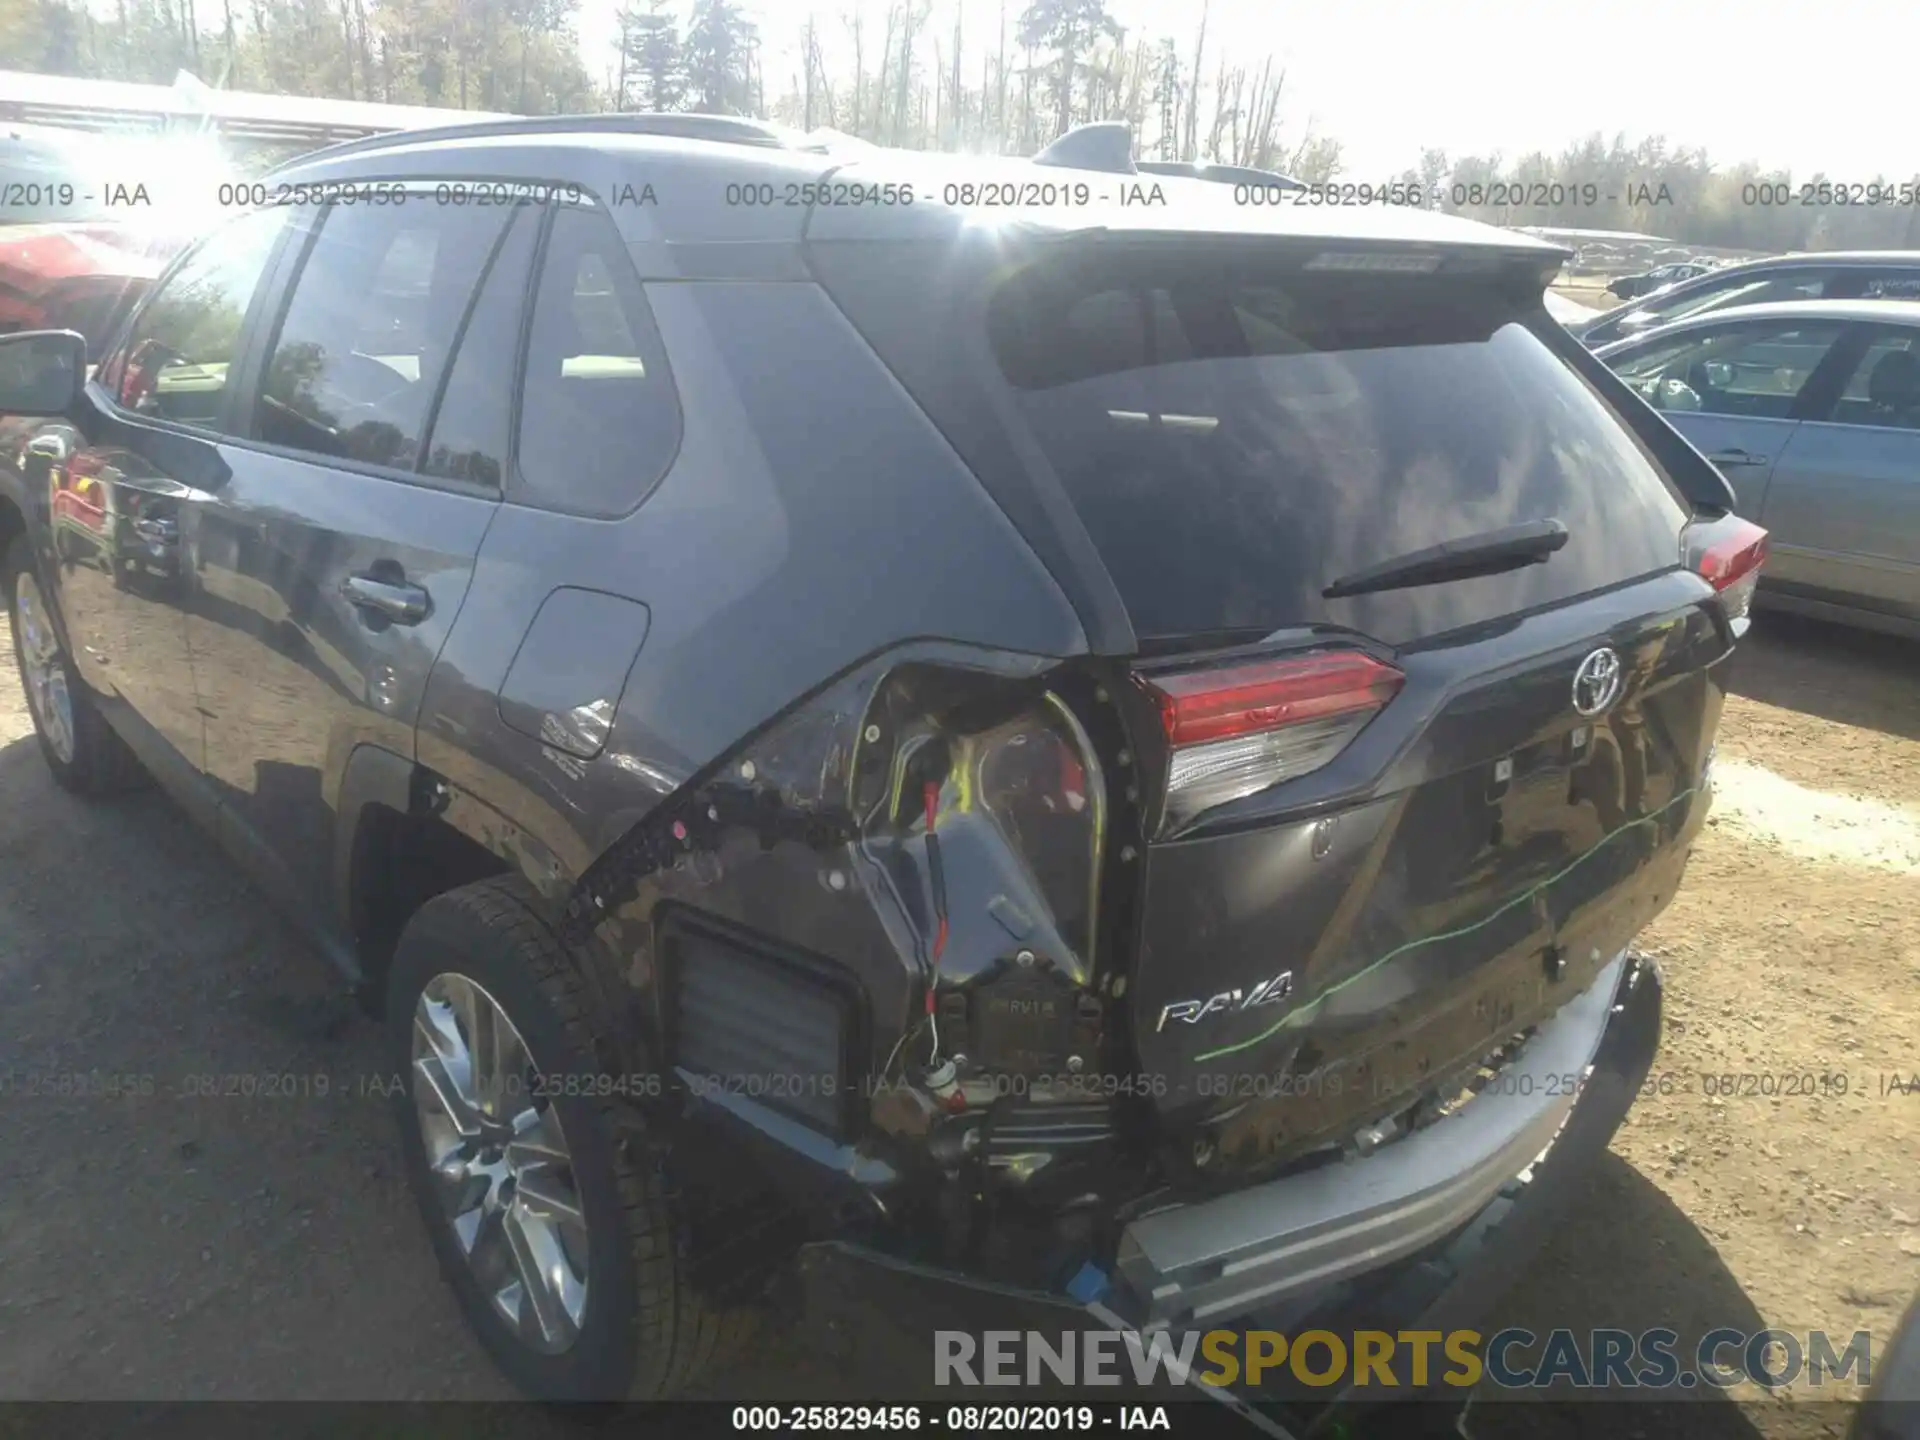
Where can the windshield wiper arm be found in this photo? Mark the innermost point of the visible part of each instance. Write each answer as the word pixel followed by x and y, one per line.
pixel 1488 554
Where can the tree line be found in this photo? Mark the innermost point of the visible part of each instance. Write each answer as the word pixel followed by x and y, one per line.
pixel 913 82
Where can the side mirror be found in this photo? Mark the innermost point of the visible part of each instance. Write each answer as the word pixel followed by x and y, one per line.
pixel 42 372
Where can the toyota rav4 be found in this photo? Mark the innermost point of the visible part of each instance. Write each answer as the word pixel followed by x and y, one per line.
pixel 1112 751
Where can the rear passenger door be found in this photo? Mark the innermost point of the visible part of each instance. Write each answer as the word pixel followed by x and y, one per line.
pixel 332 564
pixel 1844 507
pixel 1734 390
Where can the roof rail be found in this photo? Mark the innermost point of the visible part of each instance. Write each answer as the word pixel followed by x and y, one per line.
pixel 1103 145
pixel 725 129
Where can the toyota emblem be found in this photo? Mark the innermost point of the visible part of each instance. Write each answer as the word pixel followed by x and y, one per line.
pixel 1596 684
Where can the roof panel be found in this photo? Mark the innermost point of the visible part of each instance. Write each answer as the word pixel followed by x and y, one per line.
pixel 955 190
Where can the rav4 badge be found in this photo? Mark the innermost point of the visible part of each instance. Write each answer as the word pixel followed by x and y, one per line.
pixel 1229 1001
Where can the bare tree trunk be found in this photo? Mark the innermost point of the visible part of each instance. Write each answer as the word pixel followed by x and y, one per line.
pixel 905 83
pixel 1000 81
pixel 1027 143
pixel 819 64
pixel 1219 111
pixel 883 82
pixel 986 89
pixel 959 93
pixel 626 39
pixel 1134 107
pixel 1233 115
pixel 1266 116
pixel 346 35
pixel 859 73
pixel 806 61
pixel 1069 62
pixel 1193 102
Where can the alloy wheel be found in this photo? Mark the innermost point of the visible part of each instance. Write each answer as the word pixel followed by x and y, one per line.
pixel 499 1161
pixel 44 669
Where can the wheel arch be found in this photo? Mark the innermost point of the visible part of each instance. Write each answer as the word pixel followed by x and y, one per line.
pixel 405 835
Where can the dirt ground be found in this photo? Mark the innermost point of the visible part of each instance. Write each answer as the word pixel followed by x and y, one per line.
pixel 158 1246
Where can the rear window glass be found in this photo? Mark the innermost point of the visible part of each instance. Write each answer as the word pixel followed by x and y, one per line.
pixel 599 418
pixel 1234 441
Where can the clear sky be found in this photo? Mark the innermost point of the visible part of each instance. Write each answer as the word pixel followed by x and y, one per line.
pixel 1833 86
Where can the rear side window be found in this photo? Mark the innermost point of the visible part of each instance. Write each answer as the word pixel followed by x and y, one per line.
pixel 1236 439
pixel 370 326
pixel 599 420
pixel 475 419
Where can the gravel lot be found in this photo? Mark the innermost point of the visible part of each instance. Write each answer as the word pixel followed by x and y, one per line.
pixel 161 1247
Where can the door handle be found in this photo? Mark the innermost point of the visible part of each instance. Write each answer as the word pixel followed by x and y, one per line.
pixel 399 602
pixel 157 532
pixel 1738 457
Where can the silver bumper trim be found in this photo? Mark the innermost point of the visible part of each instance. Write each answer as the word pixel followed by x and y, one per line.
pixel 1216 1259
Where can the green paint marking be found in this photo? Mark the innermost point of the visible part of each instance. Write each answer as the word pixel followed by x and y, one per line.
pixel 1306 1012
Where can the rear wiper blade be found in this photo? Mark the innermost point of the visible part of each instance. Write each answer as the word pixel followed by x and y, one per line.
pixel 1488 554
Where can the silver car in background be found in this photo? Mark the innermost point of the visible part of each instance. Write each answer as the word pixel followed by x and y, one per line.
pixel 1829 275
pixel 1812 411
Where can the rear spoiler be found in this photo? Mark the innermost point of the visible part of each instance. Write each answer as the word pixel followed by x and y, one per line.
pixel 1704 486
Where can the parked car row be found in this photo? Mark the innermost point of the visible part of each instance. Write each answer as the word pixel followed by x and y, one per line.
pixel 1826 275
pixel 1799 377
pixel 1628 287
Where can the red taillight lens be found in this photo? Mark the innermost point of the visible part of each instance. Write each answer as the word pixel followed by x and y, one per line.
pixel 1203 705
pixel 1731 564
pixel 1240 728
pixel 1733 557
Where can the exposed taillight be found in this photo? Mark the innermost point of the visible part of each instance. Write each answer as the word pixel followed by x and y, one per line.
pixel 1238 729
pixel 1731 564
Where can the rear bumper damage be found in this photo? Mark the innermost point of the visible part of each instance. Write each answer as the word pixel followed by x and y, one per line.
pixel 1425 1239
pixel 1203 1263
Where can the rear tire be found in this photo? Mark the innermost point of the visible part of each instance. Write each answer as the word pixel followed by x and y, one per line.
pixel 642 1331
pixel 81 749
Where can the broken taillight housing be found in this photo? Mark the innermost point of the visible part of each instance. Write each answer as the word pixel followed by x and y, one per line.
pixel 1731 564
pixel 1237 729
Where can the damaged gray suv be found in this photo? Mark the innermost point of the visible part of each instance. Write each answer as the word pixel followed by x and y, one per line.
pixel 1038 726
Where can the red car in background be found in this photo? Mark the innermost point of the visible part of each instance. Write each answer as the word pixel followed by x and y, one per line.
pixel 86 224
